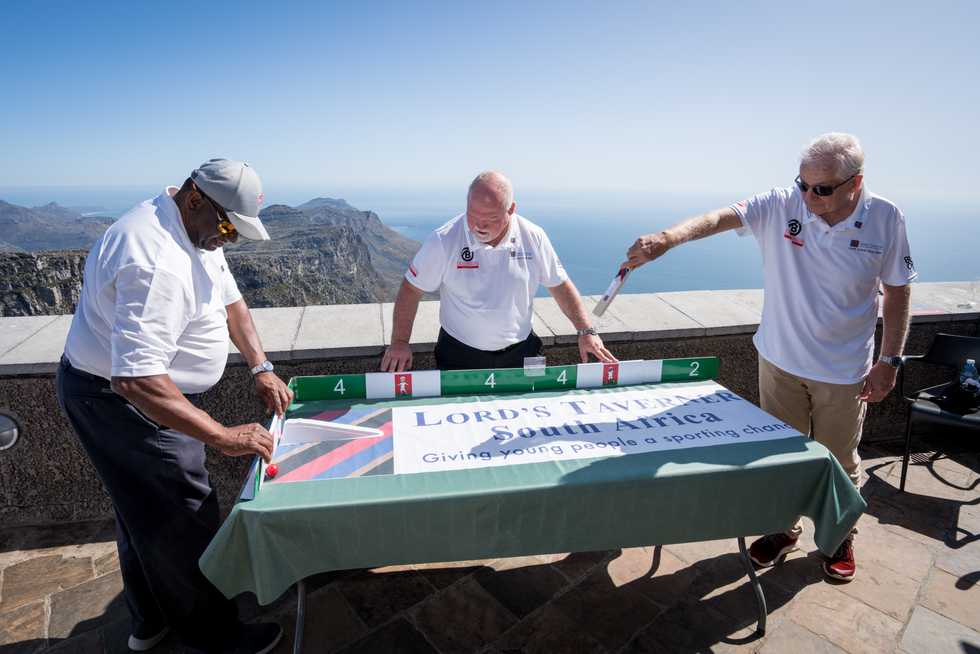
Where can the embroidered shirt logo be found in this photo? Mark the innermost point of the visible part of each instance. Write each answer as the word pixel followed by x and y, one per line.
pixel 864 246
pixel 793 229
pixel 466 260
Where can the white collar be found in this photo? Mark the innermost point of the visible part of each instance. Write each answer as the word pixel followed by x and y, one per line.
pixel 172 220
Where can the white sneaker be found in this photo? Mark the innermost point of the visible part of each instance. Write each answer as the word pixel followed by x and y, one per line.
pixel 143 644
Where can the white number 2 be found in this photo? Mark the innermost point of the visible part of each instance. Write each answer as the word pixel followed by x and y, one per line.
pixel 695 365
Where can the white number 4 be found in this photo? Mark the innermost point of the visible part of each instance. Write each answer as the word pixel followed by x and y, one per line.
pixel 490 381
pixel 563 377
pixel 339 388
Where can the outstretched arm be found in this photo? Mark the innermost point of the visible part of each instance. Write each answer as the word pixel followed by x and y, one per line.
pixel 651 246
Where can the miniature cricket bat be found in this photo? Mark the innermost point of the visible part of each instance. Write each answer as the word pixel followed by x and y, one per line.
pixel 611 292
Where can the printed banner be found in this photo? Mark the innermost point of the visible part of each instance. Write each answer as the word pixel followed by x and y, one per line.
pixel 613 422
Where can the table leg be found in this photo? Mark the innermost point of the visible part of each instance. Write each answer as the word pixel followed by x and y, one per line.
pixel 300 616
pixel 760 598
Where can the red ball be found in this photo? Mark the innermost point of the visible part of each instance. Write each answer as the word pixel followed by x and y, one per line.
pixel 271 470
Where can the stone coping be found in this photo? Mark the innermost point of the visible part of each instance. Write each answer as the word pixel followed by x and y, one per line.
pixel 33 345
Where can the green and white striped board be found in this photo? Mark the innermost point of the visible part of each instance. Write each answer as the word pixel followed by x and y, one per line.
pixel 435 383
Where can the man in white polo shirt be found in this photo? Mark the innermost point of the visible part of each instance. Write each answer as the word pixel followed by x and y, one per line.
pixel 487 265
pixel 828 244
pixel 150 334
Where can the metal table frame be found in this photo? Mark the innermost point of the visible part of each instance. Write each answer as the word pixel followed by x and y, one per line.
pixel 760 598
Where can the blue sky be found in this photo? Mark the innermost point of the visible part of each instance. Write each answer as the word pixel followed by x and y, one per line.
pixel 683 98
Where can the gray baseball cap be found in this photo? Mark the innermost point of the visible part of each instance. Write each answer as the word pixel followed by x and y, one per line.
pixel 236 187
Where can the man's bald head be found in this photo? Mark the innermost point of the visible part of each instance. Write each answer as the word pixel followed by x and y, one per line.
pixel 489 206
pixel 491 184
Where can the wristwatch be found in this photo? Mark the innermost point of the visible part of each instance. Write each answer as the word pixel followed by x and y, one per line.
pixel 588 330
pixel 265 366
pixel 894 362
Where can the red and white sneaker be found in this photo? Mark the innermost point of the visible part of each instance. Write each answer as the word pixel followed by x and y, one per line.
pixel 765 551
pixel 841 565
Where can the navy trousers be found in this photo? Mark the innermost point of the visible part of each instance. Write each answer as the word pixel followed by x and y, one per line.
pixel 166 512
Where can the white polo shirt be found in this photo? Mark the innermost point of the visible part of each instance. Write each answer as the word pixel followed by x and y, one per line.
pixel 821 282
pixel 152 303
pixel 486 293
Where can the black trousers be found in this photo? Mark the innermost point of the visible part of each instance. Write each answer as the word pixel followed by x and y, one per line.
pixel 166 512
pixel 452 354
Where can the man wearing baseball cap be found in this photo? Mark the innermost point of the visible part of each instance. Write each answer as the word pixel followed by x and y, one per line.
pixel 149 336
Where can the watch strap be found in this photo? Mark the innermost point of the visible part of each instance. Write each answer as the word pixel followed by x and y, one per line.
pixel 265 366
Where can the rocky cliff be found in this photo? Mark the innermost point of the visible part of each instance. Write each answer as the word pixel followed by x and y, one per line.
pixel 42 283
pixel 322 252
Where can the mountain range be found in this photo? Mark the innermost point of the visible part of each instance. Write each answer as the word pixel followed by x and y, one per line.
pixel 324 251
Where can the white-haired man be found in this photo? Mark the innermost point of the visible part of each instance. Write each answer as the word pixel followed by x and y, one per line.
pixel 828 245
pixel 487 265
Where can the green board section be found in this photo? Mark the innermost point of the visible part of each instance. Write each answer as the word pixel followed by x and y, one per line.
pixel 507 380
pixel 682 370
pixel 503 380
pixel 328 387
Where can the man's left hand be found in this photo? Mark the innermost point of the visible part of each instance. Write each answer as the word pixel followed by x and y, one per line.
pixel 273 392
pixel 590 343
pixel 879 383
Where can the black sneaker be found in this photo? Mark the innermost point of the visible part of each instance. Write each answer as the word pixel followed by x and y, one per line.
pixel 143 639
pixel 765 551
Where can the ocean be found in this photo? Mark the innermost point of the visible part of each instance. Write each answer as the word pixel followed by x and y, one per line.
pixel 592 241
pixel 591 232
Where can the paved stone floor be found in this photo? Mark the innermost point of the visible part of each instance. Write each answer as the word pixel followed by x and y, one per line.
pixel 917 590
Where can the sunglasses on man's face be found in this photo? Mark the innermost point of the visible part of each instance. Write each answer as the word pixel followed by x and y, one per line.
pixel 823 190
pixel 225 226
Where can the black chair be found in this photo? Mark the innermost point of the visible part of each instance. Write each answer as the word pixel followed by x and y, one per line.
pixel 934 405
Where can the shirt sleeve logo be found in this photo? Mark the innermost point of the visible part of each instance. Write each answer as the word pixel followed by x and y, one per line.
pixel 909 264
pixel 411 269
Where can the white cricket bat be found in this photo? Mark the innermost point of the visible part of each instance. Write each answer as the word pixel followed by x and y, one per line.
pixel 611 292
pixel 300 430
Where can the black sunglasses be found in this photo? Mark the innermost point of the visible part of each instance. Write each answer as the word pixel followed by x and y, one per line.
pixel 823 190
pixel 225 226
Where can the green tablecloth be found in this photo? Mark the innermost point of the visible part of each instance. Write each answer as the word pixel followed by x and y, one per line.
pixel 293 530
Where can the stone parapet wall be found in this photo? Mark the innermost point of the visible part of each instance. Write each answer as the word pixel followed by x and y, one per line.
pixel 46 477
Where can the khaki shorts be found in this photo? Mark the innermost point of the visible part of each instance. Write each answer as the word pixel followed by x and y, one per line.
pixel 830 413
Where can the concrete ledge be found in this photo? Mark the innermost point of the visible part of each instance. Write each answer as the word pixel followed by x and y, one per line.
pixel 40 352
pixel 33 345
pixel 339 330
